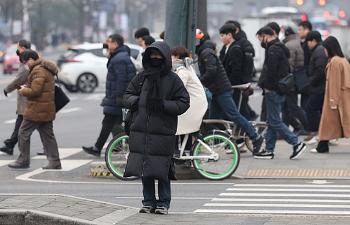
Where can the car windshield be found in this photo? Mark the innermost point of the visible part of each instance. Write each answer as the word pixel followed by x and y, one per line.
pixel 71 53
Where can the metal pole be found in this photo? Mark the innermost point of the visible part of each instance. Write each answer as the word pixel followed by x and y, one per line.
pixel 202 15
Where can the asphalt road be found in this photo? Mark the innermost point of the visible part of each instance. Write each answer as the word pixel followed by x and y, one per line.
pixel 79 123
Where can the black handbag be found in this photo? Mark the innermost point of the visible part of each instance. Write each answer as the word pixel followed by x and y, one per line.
pixel 286 85
pixel 301 80
pixel 61 99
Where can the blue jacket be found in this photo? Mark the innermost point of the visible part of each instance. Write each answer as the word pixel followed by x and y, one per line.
pixel 120 72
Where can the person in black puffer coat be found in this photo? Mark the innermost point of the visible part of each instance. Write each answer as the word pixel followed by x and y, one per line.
pixel 120 72
pixel 156 97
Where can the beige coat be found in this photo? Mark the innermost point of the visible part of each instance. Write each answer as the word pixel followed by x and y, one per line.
pixel 40 92
pixel 21 78
pixel 191 120
pixel 335 119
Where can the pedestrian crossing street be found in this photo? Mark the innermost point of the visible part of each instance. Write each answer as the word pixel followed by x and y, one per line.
pixel 303 199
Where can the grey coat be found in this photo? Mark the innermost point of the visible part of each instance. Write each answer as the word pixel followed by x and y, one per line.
pixel 21 78
pixel 296 59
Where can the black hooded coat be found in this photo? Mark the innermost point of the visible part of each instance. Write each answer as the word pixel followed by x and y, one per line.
pixel 152 138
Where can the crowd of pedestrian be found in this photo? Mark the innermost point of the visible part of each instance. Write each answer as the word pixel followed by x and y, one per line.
pixel 167 98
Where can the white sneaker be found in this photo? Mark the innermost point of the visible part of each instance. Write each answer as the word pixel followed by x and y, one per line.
pixel 312 141
pixel 314 150
pixel 334 142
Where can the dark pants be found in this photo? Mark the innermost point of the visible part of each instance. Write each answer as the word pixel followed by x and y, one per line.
pixel 313 111
pixel 222 106
pixel 263 116
pixel 47 138
pixel 12 141
pixel 149 193
pixel 243 108
pixel 292 114
pixel 108 124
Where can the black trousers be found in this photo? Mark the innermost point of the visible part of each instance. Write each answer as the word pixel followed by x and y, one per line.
pixel 109 123
pixel 292 114
pixel 149 193
pixel 313 111
pixel 12 141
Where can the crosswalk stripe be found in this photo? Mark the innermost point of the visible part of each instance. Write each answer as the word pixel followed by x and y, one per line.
pixel 277 200
pixel 241 211
pixel 285 190
pixel 277 205
pixel 292 185
pixel 284 195
pixel 5 162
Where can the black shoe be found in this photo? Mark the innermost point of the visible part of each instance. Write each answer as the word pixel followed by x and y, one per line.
pixel 147 209
pixel 264 155
pixel 7 150
pixel 298 150
pixel 17 165
pixel 41 153
pixel 92 151
pixel 257 145
pixel 161 210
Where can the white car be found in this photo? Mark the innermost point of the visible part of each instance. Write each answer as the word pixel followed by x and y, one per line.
pixel 84 67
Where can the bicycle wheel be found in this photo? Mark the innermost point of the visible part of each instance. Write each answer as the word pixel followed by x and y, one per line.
pixel 116 156
pixel 225 159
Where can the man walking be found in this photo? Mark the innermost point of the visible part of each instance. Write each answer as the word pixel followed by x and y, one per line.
pixel 275 68
pixel 21 78
pixel 39 112
pixel 120 72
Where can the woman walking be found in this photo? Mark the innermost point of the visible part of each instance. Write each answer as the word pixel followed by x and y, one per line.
pixel 335 119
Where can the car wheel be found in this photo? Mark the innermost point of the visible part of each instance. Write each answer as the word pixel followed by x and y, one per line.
pixel 87 83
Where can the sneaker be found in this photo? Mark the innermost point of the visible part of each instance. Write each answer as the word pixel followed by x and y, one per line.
pixel 298 150
pixel 334 142
pixel 257 145
pixel 92 151
pixel 264 155
pixel 311 139
pixel 146 209
pixel 161 210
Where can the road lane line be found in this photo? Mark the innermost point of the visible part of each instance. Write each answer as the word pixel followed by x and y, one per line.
pixel 70 110
pixel 172 197
pixel 296 212
pixel 287 189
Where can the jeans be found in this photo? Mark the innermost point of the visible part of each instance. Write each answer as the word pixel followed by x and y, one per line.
pixel 244 109
pixel 12 141
pixel 109 122
pixel 223 107
pixel 149 194
pixel 274 103
pixel 313 111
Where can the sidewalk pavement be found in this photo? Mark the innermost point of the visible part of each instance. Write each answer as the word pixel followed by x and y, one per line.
pixel 68 210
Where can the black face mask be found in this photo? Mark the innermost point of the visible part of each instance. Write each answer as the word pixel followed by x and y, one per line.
pixel 17 52
pixel 156 62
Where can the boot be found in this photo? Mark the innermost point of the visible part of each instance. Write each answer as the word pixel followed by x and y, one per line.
pixel 6 150
pixel 17 165
pixel 92 151
pixel 53 165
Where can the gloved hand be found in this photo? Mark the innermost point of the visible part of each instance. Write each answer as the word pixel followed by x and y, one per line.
pixel 5 92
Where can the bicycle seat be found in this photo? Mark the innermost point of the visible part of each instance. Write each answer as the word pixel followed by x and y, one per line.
pixel 242 86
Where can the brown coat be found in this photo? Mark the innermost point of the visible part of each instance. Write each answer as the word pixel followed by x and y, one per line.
pixel 40 92
pixel 335 119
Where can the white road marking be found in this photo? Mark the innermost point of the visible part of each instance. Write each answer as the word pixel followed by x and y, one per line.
pixel 172 197
pixel 278 200
pixel 238 211
pixel 10 121
pixel 64 153
pixel 5 162
pixel 292 185
pixel 67 165
pixel 320 182
pixel 287 189
pixel 284 195
pixel 276 205
pixel 69 110
pixel 98 96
